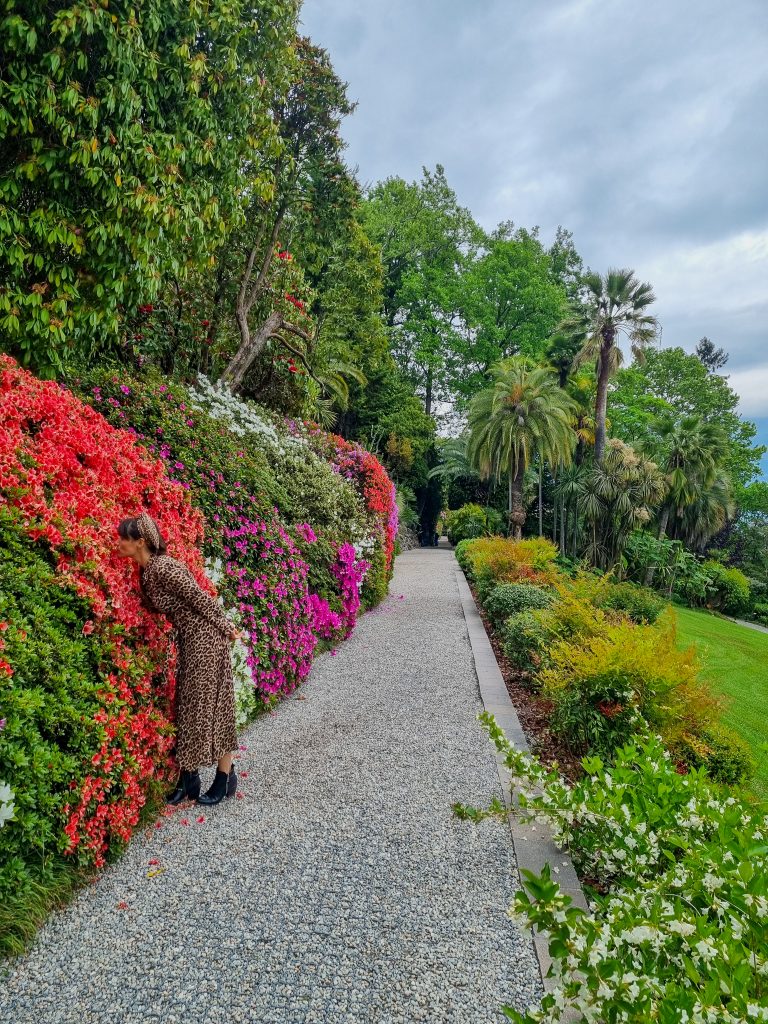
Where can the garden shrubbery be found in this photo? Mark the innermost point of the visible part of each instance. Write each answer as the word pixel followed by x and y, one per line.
pixel 602 655
pixel 507 599
pixel 471 521
pixel 678 882
pixel 86 727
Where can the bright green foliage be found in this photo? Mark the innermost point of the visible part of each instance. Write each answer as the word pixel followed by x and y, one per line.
pixel 674 382
pixel 471 521
pixel 524 415
pixel 725 756
pixel 616 496
pixel 511 305
pixel 123 131
pixel 525 641
pixel 426 241
pixel 510 598
pixel 728 588
pixel 675 569
pixel 640 604
pixel 605 687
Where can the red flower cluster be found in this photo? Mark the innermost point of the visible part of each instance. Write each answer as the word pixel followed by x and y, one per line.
pixel 72 477
pixel 295 302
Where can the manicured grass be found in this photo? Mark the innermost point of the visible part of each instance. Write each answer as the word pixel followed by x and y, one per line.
pixel 735 663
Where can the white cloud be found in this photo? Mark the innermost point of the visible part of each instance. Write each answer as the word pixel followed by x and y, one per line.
pixel 751 386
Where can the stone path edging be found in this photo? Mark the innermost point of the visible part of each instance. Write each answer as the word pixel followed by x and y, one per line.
pixel 533 849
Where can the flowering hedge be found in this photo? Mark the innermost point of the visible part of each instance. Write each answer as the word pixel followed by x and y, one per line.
pixel 677 930
pixel 85 729
pixel 86 733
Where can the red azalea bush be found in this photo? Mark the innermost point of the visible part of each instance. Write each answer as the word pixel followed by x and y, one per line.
pixel 67 478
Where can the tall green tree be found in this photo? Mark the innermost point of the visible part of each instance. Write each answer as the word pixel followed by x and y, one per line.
pixel 525 415
pixel 512 302
pixel 686 450
pixel 614 305
pixel 124 133
pixel 616 496
pixel 427 240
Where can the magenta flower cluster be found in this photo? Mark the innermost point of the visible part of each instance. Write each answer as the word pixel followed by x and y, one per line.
pixel 270 579
pixel 326 623
pixel 349 571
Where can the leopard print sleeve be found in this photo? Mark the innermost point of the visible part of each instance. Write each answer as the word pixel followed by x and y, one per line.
pixel 179 581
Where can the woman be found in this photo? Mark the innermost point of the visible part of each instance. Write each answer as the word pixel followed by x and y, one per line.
pixel 205 696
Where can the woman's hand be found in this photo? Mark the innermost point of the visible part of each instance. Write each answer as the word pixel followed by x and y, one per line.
pixel 237 634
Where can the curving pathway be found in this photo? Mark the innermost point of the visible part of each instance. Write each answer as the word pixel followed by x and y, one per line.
pixel 340 888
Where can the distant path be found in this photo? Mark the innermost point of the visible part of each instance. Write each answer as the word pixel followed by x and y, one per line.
pixel 340 888
pixel 749 625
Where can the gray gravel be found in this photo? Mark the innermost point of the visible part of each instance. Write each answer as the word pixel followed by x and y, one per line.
pixel 339 888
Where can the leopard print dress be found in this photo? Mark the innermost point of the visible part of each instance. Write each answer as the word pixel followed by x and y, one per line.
pixel 205 693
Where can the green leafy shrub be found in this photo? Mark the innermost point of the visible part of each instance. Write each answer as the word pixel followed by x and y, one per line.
pixel 724 755
pixel 471 521
pixel 641 604
pixel 507 599
pixel 462 557
pixel 609 685
pixel 525 641
pixel 728 588
pixel 500 560
pixel 760 613
pixel 676 928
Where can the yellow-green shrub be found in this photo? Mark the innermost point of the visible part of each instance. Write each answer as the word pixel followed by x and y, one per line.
pixel 604 686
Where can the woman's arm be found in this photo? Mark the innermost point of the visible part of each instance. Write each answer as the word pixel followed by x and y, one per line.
pixel 179 581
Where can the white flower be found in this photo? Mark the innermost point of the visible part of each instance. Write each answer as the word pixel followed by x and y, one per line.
pixel 6 803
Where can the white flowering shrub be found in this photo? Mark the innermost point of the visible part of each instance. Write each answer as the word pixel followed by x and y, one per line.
pixel 246 699
pixel 241 417
pixel 316 494
pixel 6 804
pixel 678 927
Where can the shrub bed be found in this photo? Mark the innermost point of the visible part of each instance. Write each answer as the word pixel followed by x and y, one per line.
pixel 604 660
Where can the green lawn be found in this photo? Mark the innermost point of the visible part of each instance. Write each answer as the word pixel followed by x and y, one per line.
pixel 735 663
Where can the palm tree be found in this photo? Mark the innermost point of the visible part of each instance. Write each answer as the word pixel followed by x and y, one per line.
pixel 615 305
pixel 454 462
pixel 708 513
pixel 522 415
pixel 686 451
pixel 616 496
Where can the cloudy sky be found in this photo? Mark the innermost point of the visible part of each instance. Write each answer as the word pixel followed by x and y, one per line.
pixel 640 126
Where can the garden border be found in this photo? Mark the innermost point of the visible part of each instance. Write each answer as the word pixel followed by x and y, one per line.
pixel 532 844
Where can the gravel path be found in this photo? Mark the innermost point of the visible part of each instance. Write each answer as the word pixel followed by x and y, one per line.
pixel 339 888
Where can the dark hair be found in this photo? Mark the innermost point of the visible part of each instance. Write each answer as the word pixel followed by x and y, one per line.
pixel 128 529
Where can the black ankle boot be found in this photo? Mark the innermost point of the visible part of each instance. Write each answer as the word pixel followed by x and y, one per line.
pixel 232 782
pixel 217 792
pixel 187 788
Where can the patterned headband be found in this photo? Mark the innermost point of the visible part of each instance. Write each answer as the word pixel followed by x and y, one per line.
pixel 147 528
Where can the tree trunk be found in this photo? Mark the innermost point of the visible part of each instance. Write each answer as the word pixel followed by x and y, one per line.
pixel 563 527
pixel 516 504
pixel 601 401
pixel 541 508
pixel 554 515
pixel 250 346
pixel 663 522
